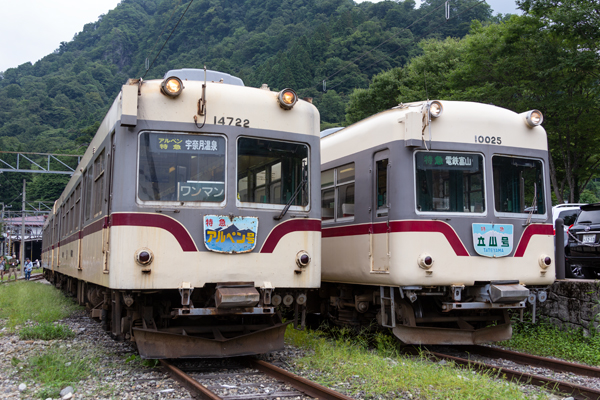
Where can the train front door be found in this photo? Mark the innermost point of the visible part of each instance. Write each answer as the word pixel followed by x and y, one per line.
pixel 380 227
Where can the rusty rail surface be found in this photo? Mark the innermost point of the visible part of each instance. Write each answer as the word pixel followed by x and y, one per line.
pixel 577 391
pixel 188 382
pixel 297 382
pixel 303 385
pixel 528 359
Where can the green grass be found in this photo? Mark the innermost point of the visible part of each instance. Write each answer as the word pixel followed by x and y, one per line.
pixel 32 301
pixel 373 366
pixel 544 339
pixel 56 368
pixel 46 331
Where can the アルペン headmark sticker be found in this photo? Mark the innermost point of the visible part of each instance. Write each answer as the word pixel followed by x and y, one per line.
pixel 225 235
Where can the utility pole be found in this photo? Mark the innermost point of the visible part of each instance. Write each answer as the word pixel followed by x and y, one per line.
pixel 22 249
pixel 3 250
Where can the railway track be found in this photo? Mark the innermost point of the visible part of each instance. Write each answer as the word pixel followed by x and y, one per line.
pixel 468 356
pixel 248 379
pixel 34 277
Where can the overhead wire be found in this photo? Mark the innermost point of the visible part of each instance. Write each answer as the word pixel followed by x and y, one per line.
pixel 163 30
pixel 167 40
pixel 414 39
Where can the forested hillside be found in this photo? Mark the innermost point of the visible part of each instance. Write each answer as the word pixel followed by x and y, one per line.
pixel 56 104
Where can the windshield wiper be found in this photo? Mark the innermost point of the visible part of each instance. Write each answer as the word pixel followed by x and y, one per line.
pixel 299 189
pixel 533 206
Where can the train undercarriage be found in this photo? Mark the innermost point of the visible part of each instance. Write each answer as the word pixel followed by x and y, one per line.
pixel 452 315
pixel 218 320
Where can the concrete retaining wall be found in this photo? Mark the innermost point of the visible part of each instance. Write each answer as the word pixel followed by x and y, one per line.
pixel 573 304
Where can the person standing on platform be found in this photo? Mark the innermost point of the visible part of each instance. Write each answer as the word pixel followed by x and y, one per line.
pixel 28 268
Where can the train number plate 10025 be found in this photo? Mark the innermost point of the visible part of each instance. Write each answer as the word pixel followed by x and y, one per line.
pixel 224 234
pixel 589 238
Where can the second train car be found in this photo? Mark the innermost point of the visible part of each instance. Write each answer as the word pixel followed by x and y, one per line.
pixel 436 221
pixel 192 216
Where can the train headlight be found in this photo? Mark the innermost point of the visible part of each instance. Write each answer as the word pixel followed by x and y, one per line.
pixel 545 261
pixel 435 109
pixel 425 261
pixel 533 118
pixel 144 257
pixel 287 99
pixel 302 259
pixel 171 86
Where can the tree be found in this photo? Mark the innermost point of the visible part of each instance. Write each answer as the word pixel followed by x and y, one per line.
pixel 525 63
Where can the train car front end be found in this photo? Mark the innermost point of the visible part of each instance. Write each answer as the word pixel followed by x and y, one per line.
pixel 200 223
pixel 435 221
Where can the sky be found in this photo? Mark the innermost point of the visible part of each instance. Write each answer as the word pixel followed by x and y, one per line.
pixel 32 29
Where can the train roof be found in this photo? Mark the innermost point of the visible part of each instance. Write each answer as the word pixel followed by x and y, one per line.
pixel 460 122
pixel 192 74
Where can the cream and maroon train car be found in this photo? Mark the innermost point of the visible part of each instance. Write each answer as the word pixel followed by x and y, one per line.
pixel 193 215
pixel 436 220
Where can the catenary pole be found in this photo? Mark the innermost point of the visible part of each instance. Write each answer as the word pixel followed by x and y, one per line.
pixel 22 249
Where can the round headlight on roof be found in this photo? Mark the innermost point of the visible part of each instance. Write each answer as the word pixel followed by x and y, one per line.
pixel 171 86
pixel 533 118
pixel 287 98
pixel 435 109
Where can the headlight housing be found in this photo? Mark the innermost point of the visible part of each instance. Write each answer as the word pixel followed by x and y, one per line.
pixel 287 99
pixel 533 118
pixel 435 109
pixel 171 86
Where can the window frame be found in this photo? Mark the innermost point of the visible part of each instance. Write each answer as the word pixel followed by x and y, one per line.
pixel 99 195
pixel 268 182
pixel 451 213
pixel 336 186
pixel 175 203
pixel 523 215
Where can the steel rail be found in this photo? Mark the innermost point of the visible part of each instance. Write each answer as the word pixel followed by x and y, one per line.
pixel 528 359
pixel 577 391
pixel 297 382
pixel 34 277
pixel 190 383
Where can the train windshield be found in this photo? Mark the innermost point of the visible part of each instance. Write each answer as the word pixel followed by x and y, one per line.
pixel 181 167
pixel 449 182
pixel 272 172
pixel 518 185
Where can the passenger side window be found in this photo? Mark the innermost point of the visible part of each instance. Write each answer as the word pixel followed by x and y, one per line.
pixel 88 193
pixel 98 184
pixel 337 193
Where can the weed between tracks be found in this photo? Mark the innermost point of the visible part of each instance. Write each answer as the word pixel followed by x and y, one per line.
pixel 371 366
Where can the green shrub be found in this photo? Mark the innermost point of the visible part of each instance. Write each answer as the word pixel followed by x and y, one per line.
pixel 544 339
